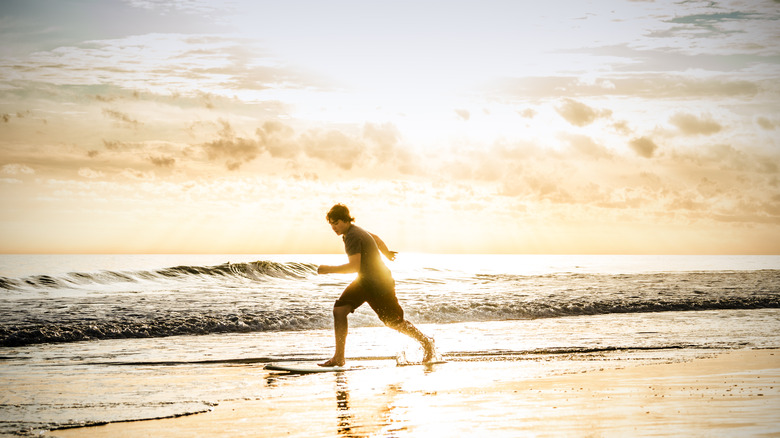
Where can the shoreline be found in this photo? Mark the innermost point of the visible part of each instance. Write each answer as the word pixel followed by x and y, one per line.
pixel 733 393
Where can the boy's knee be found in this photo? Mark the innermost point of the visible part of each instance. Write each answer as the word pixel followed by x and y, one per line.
pixel 341 311
pixel 394 324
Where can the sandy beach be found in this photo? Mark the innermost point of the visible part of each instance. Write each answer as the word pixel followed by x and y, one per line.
pixel 730 393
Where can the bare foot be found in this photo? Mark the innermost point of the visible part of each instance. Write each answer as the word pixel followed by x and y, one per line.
pixel 333 363
pixel 430 350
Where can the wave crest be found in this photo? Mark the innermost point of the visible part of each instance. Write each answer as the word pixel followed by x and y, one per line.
pixel 253 271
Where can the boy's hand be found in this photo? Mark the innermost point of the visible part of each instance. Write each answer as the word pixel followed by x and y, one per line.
pixel 391 255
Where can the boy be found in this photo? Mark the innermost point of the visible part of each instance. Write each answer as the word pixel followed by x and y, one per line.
pixel 374 285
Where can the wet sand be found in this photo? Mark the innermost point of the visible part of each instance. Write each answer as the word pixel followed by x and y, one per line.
pixel 736 393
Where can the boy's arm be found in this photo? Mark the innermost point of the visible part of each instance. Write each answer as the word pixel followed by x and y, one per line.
pixel 383 248
pixel 352 266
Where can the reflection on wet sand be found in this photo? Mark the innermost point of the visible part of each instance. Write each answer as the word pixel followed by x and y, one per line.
pixel 381 401
pixel 342 407
pixel 357 420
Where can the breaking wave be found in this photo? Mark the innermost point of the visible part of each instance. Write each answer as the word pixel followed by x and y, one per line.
pixel 254 271
pixel 265 296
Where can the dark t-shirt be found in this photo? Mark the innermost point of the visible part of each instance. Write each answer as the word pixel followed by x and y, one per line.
pixel 372 269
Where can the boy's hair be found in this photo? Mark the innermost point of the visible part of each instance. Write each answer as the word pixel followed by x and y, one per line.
pixel 339 212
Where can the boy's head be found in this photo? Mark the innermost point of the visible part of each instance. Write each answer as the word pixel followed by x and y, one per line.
pixel 339 212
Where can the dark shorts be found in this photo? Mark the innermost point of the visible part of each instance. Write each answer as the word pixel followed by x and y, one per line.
pixel 381 298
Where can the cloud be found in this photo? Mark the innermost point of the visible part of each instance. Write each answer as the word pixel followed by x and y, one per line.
pixel 162 161
pixel 138 175
pixel 334 147
pixel 711 25
pixel 584 145
pixel 234 150
pixel 528 113
pixel 765 123
pixel 168 6
pixel 727 157
pixel 695 185
pixel 689 124
pixel 278 139
pixel 643 146
pixel 622 127
pixel 383 147
pixel 86 172
pixel 579 114
pixel 463 114
pixel 116 145
pixel 645 85
pixel 16 169
pixel 670 51
pixel 186 64
pixel 376 144
pixel 674 86
pixel 689 187
pixel 121 117
pixel 385 138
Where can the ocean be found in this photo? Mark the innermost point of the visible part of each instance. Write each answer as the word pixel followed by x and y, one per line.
pixel 94 339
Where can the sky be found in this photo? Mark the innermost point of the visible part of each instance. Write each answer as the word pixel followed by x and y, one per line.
pixel 558 127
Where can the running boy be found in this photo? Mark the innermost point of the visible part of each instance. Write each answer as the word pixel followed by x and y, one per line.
pixel 374 285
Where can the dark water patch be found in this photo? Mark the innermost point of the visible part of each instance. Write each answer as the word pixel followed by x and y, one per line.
pixel 169 323
pixel 34 332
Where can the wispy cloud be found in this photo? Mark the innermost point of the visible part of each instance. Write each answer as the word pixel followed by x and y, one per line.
pixel 690 124
pixel 16 169
pixel 234 150
pixel 767 124
pixel 161 63
pixel 121 117
pixel 162 161
pixel 715 24
pixel 188 6
pixel 644 85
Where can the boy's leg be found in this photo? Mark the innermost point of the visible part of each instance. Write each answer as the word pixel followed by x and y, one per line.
pixel 410 330
pixel 341 328
pixel 386 306
pixel 350 299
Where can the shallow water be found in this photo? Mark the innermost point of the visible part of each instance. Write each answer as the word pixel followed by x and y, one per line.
pixel 92 339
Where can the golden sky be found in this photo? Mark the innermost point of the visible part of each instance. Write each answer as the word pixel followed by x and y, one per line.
pixel 159 126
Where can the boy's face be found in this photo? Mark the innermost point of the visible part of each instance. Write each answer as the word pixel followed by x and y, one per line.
pixel 339 226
